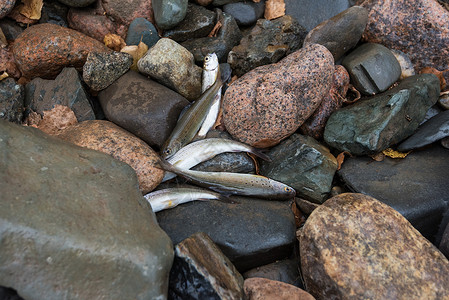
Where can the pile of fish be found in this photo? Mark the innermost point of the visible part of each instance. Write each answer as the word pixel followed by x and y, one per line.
pixel 179 154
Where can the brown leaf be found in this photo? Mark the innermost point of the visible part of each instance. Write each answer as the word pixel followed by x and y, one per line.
pixel 137 52
pixel 114 42
pixel 341 159
pixel 299 217
pixel 378 157
pixel 395 154
pixel 214 31
pixel 31 9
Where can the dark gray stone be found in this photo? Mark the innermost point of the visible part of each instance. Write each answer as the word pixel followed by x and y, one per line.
pixel 433 130
pixel 10 28
pixel 142 106
pixel 54 12
pixel 77 3
pixel 73 223
pixel 341 32
pixel 444 244
pixel 143 30
pixel 198 23
pixel 431 112
pixel 445 143
pixel 11 100
pixel 168 13
pixel 223 2
pixel 373 68
pixel 304 164
pixel 245 13
pixel 267 43
pixel 372 125
pixel 66 89
pixel 415 186
pixel 9 294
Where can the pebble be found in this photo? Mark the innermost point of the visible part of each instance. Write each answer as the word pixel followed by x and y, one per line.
pixel 80 211
pixel 269 103
pixel 11 101
pixel 6 7
pixel 245 13
pixel 266 289
pixel 143 30
pixel 354 246
pixel 172 65
pixel 77 3
pixel 102 69
pixel 169 13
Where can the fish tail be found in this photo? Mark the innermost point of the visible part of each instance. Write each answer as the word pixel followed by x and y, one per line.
pixel 259 153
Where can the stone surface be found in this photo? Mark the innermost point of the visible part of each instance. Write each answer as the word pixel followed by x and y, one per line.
pixel 341 32
pixel 201 271
pixel 6 6
pixel 54 12
pixel 355 247
pixel 102 69
pixel 10 28
pixel 168 13
pixel 173 66
pixel 66 89
pixel 372 67
pixel 304 164
pixel 11 100
pixel 123 12
pixel 250 233
pixel 8 64
pixel 77 3
pixel 274 9
pixel 270 102
pixel 443 101
pixel 266 289
pixel 72 221
pixel 444 245
pixel 142 106
pixel 372 125
pixel 406 64
pixel 266 43
pixel 245 13
pixel 445 143
pixel 143 30
pixel 286 271
pixel 404 185
pixel 106 137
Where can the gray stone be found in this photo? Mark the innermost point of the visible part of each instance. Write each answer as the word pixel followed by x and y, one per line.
pixel 73 223
pixel 444 102
pixel 444 244
pixel 406 64
pixel 77 3
pixel 168 13
pixel 371 125
pixel 66 89
pixel 143 30
pixel 266 43
pixel 55 12
pixel 245 13
pixel 341 32
pixel 10 28
pixel 102 69
pixel 201 271
pixel 142 106
pixel 445 143
pixel 11 100
pixel 198 23
pixel 415 186
pixel 304 164
pixel 223 2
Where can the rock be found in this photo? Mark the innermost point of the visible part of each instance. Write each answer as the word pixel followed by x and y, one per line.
pixel 201 271
pixel 198 23
pixel 439 74
pixel 341 32
pixel 102 69
pixel 8 64
pixel 305 206
pixel 9 294
pixel 311 13
pixel 240 230
pixel 266 43
pixel 354 246
pixel 143 30
pixel 66 89
pixel 43 50
pixel 304 164
pixel 371 125
pixel 270 102
pixel 443 101
pixel 143 107
pixel 223 2
pixel 274 9
pixel 77 3
pixel 80 225
pixel 444 245
pixel 10 29
pixel 203 2
pixel 245 13
pixel 123 12
pixel 423 37
pixel 372 67
pixel 11 101
pixel 266 289
pixel 6 7
pixel 168 13
pixel 54 12
pixel 286 271
pixel 431 112
pixel 227 37
pixel 404 185
pixel 407 68
pixel 173 66
pixel 445 143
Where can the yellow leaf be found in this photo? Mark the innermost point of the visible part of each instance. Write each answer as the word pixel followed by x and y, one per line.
pixel 394 154
pixel 137 52
pixel 3 76
pixel 114 41
pixel 32 9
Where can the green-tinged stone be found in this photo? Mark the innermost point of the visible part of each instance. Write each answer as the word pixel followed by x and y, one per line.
pixel 168 13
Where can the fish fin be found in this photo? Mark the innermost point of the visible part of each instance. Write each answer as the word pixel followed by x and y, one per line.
pixel 225 198
pixel 260 153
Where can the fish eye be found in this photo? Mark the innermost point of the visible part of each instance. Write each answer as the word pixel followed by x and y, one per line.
pixel 206 58
pixel 167 151
pixel 287 189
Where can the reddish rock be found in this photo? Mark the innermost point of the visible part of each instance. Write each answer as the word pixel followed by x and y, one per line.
pixel 43 50
pixel 269 103
pixel 6 6
pixel 355 247
pixel 7 63
pixel 266 289
pixel 417 28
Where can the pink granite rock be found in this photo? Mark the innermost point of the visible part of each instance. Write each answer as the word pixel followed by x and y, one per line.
pixel 269 103
pixel 266 289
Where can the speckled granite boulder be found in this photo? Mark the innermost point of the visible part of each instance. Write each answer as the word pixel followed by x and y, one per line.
pixel 105 136
pixel 11 100
pixel 355 247
pixel 269 103
pixel 266 289
pixel 6 6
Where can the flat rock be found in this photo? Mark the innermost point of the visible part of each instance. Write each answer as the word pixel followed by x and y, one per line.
pixel 245 13
pixel 355 247
pixel 81 223
pixel 269 103
pixel 372 125
pixel 11 100
pixel 168 13
pixel 266 289
pixel 266 43
pixel 143 30
pixel 143 107
pixel 286 270
pixel 415 186
pixel 43 50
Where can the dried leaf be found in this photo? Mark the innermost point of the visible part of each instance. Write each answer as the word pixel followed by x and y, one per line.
pixel 137 52
pixel 299 217
pixel 378 157
pixel 3 76
pixel 341 159
pixel 214 31
pixel 31 9
pixel 357 95
pixel 114 42
pixel 395 154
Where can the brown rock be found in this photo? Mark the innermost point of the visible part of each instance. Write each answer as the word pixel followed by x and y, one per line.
pixel 355 247
pixel 43 50
pixel 266 289
pixel 203 2
pixel 7 63
pixel 5 7
pixel 269 103
pixel 274 9
pixel 106 137
pixel 439 74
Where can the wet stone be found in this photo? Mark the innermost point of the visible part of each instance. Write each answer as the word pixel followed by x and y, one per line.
pixel 143 30
pixel 266 289
pixel 373 68
pixel 168 13
pixel 54 12
pixel 245 13
pixel 11 101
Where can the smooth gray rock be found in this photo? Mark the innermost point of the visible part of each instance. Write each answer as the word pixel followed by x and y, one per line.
pixel 168 13
pixel 143 30
pixel 245 13
pixel 372 125
pixel 77 3
pixel 304 164
pixel 73 223
pixel 373 68
pixel 11 100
